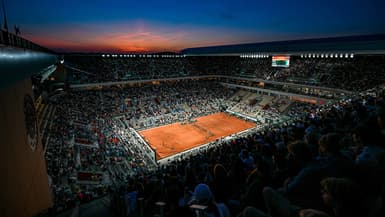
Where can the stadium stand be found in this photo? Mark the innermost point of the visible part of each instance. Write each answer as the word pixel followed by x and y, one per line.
pixel 249 162
pixel 317 147
pixel 355 74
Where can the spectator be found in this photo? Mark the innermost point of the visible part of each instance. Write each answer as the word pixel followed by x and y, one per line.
pixel 343 196
pixel 203 196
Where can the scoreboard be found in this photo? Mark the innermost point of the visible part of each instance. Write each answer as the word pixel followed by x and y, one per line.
pixel 280 61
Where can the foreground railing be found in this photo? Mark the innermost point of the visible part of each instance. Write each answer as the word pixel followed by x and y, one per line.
pixel 10 39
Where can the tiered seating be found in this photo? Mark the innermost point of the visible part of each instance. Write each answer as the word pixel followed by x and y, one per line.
pixel 266 100
pixel 282 104
pixel 250 161
pixel 45 114
pixel 358 73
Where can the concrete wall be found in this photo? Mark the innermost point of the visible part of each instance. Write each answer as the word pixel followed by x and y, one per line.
pixel 24 187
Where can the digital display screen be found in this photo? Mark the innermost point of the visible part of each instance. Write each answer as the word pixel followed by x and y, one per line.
pixel 280 61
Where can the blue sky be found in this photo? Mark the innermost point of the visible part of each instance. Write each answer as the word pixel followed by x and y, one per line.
pixel 167 25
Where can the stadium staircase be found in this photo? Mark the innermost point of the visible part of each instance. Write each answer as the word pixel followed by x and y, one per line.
pixel 40 109
pixel 45 121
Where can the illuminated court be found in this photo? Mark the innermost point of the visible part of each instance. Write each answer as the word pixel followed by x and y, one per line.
pixel 174 138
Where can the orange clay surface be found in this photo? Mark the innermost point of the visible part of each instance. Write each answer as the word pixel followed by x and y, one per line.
pixel 174 138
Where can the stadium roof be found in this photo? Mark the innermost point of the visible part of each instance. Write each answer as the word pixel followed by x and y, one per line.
pixel 20 58
pixel 363 44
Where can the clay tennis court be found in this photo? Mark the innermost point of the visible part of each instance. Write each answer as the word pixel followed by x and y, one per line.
pixel 174 138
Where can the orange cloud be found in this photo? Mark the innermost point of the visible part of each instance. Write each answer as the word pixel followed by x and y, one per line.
pixel 133 36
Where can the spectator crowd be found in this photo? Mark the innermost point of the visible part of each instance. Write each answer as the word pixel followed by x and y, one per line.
pixel 324 160
pixel 355 74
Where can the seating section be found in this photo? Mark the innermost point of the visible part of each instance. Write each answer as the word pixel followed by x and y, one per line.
pixel 356 74
pixel 296 151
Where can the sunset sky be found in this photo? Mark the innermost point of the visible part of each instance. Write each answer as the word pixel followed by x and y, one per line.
pixel 168 25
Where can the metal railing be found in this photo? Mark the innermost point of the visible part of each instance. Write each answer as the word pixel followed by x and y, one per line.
pixel 13 40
